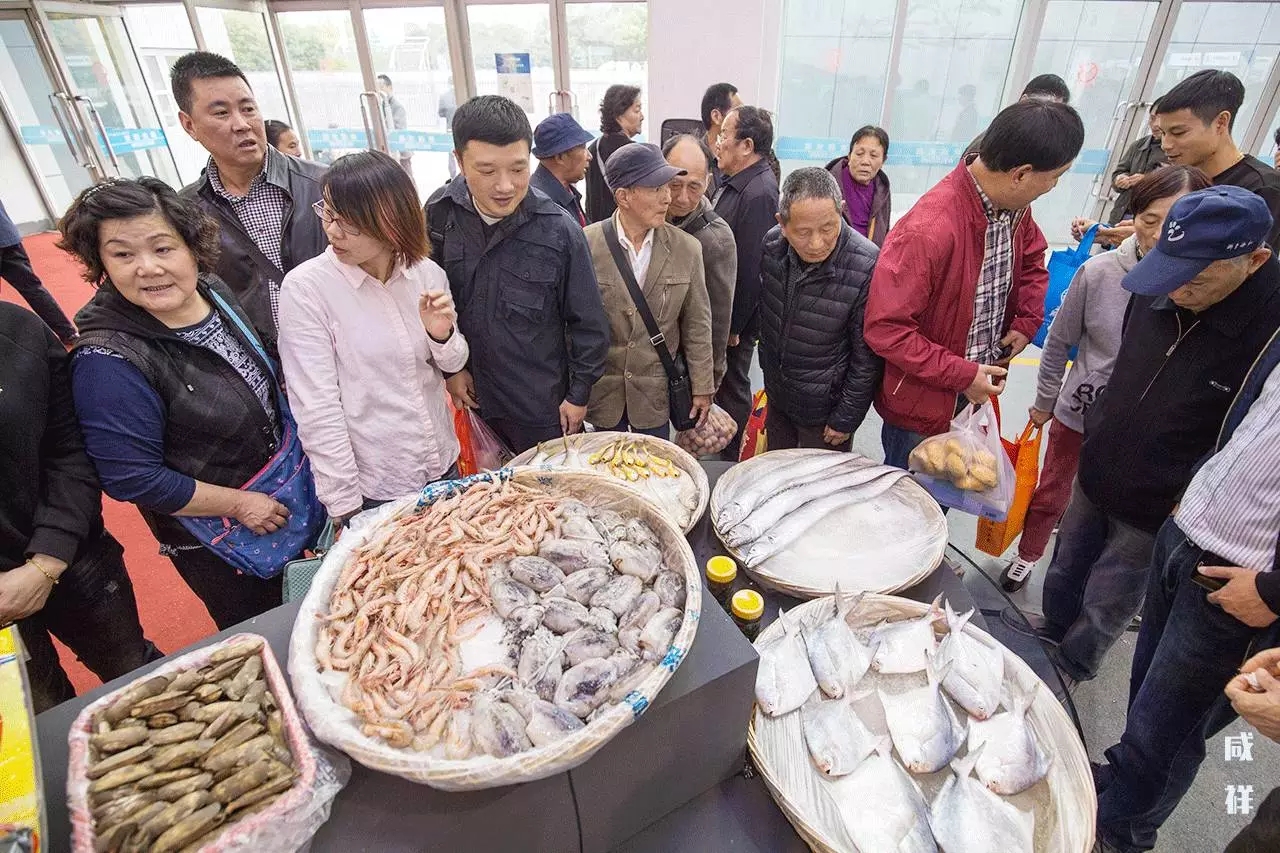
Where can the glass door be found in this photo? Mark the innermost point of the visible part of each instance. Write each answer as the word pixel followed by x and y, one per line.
pixel 607 44
pixel 105 90
pixel 511 54
pixel 161 33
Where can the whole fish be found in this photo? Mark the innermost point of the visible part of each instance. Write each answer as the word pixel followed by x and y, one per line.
pixel 905 646
pixel 923 725
pixel 769 475
pixel 1012 760
pixel 976 672
pixel 837 657
pixel 860 482
pixel 784 680
pixel 883 808
pixel 837 739
pixel 966 816
pixel 792 528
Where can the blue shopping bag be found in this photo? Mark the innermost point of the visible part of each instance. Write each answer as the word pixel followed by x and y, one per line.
pixel 1062 268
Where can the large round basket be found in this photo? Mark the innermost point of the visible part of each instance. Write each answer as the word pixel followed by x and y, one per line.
pixel 902 546
pixel 1064 803
pixel 333 723
pixel 588 443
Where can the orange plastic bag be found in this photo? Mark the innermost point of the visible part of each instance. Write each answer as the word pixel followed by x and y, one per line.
pixel 754 439
pixel 995 537
pixel 479 448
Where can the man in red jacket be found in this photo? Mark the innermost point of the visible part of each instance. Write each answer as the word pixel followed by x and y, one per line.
pixel 958 290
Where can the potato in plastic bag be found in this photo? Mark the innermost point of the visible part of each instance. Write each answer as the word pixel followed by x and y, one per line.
pixel 967 468
pixel 713 436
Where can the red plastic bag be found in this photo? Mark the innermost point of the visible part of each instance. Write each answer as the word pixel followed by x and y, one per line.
pixel 479 448
pixel 754 439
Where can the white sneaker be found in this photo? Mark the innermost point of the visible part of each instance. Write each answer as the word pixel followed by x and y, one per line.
pixel 1016 574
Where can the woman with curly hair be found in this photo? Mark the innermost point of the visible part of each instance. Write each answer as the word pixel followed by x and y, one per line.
pixel 621 118
pixel 180 407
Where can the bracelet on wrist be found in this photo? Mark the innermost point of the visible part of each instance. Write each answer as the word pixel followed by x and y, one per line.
pixel 53 579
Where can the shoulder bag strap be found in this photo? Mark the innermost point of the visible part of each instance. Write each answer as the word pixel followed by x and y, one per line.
pixel 656 337
pixel 258 255
pixel 244 328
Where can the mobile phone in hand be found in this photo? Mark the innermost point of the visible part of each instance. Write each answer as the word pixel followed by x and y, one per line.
pixel 1208 583
pixel 1006 352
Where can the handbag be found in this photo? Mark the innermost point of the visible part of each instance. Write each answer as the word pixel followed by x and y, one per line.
pixel 299 573
pixel 679 390
pixel 286 477
pixel 1062 266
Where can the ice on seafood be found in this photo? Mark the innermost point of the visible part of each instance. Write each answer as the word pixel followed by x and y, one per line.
pixel 784 680
pixel 540 662
pixel 836 655
pixel 573 555
pixel 584 687
pixel 883 809
pixel 975 670
pixel 536 573
pixel 792 527
pixel 966 816
pixel 924 727
pixel 641 561
pixel 619 594
pixel 905 646
pixel 659 631
pixel 549 722
pixel 1011 760
pixel 837 739
pixel 580 586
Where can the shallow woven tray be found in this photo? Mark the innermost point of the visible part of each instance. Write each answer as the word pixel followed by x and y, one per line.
pixel 1064 803
pixel 777 572
pixel 333 723
pixel 592 441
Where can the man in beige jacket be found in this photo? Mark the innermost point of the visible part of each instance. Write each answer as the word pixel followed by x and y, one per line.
pixel 667 264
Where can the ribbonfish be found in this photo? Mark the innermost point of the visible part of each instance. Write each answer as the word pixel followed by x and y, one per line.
pixel 857 484
pixel 792 528
pixel 774 474
pixel 924 727
pixel 837 657
pixel 784 680
pixel 883 808
pixel 1012 760
pixel 905 646
pixel 966 816
pixel 976 672
pixel 837 739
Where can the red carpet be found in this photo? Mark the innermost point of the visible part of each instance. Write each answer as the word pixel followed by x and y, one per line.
pixel 171 615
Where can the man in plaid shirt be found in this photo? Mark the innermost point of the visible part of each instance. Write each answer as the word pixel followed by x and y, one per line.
pixel 261 197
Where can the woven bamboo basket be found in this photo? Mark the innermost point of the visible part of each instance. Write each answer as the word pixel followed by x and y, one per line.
pixel 588 443
pixel 790 570
pixel 1064 803
pixel 333 723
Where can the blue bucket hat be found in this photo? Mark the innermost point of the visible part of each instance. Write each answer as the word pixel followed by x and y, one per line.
pixel 557 134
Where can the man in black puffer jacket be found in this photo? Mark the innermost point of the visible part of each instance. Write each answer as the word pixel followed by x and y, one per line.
pixel 815 272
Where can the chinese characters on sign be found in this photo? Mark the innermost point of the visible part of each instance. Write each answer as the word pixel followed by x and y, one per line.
pixel 1238 747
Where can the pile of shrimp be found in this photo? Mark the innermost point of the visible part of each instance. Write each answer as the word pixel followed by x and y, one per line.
pixel 400 607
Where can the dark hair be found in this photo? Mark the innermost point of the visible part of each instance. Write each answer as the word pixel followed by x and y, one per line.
pixel 670 144
pixel 1208 94
pixel 492 119
pixel 384 79
pixel 1154 109
pixel 871 130
pixel 127 198
pixel 1047 135
pixel 276 129
pixel 372 192
pixel 199 65
pixel 1048 86
pixel 1164 182
pixel 617 99
pixel 1277 136
pixel 719 96
pixel 756 124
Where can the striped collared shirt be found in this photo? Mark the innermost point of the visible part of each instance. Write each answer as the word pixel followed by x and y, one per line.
pixel 1232 506
pixel 992 294
pixel 261 212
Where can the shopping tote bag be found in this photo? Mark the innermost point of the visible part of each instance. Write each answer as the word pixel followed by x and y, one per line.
pixel 1062 268
pixel 995 537
pixel 754 440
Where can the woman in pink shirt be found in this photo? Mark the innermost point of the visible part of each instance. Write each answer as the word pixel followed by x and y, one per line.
pixel 367 332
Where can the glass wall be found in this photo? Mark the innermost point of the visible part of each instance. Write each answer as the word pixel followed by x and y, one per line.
pixel 160 34
pixel 242 38
pixel 320 48
pixel 510 28
pixel 607 45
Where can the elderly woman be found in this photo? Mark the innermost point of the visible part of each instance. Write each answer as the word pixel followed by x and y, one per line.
pixel 282 137
pixel 621 118
pixel 863 183
pixel 367 332
pixel 180 406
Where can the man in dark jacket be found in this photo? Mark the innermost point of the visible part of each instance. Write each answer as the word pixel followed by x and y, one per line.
pixel 15 268
pixel 60 571
pixel 522 278
pixel 748 201
pixel 1207 301
pixel 560 144
pixel 1143 155
pixel 815 272
pixel 261 198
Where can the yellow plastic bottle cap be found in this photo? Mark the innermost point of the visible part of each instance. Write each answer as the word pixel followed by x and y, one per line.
pixel 748 604
pixel 721 569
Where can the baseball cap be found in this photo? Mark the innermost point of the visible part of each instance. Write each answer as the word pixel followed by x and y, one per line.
pixel 638 164
pixel 557 134
pixel 1202 227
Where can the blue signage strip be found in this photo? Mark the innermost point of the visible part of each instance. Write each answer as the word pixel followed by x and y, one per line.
pixel 42 134
pixel 824 149
pixel 124 140
pixel 419 140
pixel 337 137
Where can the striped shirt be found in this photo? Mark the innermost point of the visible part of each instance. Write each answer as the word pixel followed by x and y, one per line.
pixel 1232 506
pixel 261 211
pixel 992 293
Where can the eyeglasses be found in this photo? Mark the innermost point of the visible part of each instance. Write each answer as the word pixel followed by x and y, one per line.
pixel 329 219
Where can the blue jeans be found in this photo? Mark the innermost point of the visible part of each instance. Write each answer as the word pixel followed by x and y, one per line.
pixel 1095 584
pixel 1187 651
pixel 898 444
pixel 662 431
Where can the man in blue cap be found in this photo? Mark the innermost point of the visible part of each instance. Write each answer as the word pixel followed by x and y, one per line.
pixel 1213 273
pixel 1206 301
pixel 560 144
